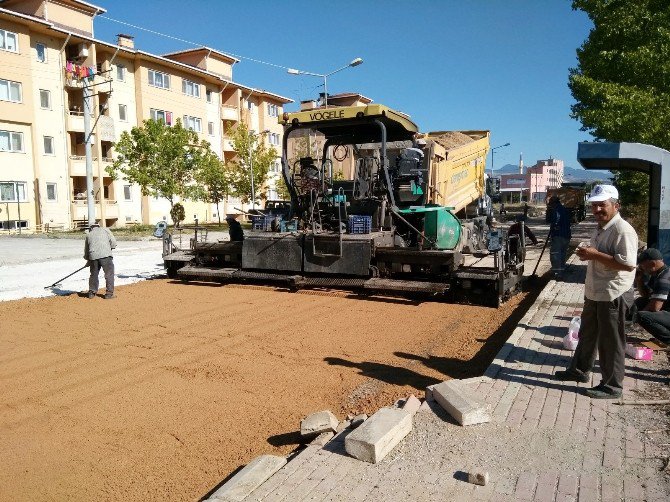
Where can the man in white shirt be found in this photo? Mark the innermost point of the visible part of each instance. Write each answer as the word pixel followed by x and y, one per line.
pixel 608 294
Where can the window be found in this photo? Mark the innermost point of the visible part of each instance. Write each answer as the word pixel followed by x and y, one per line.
pixel 13 224
pixel 121 72
pixel 10 91
pixel 159 79
pixel 52 192
pixel 9 41
pixel 45 99
pixel 161 115
pixel 11 141
pixel 250 106
pixel 210 128
pixel 190 88
pixel 123 110
pixel 192 123
pixel 9 190
pixel 41 50
pixel 273 110
pixel 273 138
pixel 48 145
pixel 127 194
pixel 208 93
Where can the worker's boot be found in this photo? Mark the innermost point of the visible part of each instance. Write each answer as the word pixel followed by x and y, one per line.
pixel 90 294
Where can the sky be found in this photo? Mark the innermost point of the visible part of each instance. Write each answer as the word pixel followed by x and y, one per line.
pixel 451 65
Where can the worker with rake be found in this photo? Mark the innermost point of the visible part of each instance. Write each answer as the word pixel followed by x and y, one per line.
pixel 98 251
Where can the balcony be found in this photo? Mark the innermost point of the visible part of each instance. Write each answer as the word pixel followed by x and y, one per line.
pixel 78 165
pixel 229 113
pixel 75 121
pixel 227 144
pixel 111 209
pixel 79 210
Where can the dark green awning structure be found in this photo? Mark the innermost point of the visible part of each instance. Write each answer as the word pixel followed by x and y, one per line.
pixel 643 158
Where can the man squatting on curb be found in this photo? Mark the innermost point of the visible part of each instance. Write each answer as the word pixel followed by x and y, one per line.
pixel 608 294
pixel 98 251
pixel 652 310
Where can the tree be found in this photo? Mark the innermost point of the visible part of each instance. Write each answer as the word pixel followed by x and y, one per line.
pixel 214 180
pixel 622 81
pixel 161 159
pixel 177 213
pixel 248 150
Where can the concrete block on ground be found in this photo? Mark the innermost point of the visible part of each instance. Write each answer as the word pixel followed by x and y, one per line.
pixel 343 425
pixel 412 404
pixel 478 478
pixel 461 402
pixel 316 423
pixel 254 474
pixel 378 435
pixel 358 420
pixel 323 438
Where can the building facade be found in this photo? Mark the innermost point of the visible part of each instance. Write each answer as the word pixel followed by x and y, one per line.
pixel 48 53
pixel 532 185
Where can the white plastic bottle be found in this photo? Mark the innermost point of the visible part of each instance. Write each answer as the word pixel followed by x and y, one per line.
pixel 571 340
pixel 575 323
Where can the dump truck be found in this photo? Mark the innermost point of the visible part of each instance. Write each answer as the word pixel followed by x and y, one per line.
pixel 573 199
pixel 409 217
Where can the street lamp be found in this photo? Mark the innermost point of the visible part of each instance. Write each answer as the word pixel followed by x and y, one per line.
pixel 492 150
pixel 252 137
pixel 293 71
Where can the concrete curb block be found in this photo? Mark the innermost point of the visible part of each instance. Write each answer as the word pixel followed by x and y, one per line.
pixel 461 402
pixel 378 435
pixel 254 474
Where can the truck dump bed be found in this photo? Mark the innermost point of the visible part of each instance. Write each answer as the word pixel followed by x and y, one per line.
pixel 457 166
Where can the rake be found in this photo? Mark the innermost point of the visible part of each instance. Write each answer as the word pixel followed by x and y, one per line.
pixel 57 283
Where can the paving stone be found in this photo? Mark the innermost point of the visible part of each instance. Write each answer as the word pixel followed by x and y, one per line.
pixel 461 403
pixel 358 420
pixel 316 423
pixel 412 404
pixel 323 438
pixel 378 435
pixel 478 478
pixel 345 424
pixel 254 474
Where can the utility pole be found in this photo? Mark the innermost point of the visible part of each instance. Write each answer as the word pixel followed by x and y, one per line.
pixel 90 201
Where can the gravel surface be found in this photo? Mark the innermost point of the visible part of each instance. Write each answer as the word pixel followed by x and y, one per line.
pixel 164 391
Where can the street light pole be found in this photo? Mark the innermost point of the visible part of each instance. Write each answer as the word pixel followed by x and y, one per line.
pixel 492 150
pixel 325 76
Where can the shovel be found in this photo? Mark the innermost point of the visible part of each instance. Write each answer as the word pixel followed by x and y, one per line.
pixel 57 283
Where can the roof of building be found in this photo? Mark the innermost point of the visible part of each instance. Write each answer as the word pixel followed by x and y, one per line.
pixel 209 50
pixel 360 97
pixel 133 51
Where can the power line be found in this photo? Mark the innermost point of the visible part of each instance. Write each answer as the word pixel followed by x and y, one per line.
pixel 191 43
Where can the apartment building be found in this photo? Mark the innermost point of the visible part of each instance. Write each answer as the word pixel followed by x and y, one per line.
pixel 47 54
pixel 532 185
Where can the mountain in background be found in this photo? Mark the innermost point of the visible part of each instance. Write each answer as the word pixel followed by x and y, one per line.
pixel 570 174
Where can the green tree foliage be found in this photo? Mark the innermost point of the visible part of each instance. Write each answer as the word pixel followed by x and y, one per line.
pixel 251 151
pixel 214 181
pixel 622 82
pixel 161 159
pixel 177 213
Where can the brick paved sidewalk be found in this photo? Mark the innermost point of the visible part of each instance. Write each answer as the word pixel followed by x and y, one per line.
pixel 547 440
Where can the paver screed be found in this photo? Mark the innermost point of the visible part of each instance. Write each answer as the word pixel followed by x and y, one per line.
pixel 547 441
